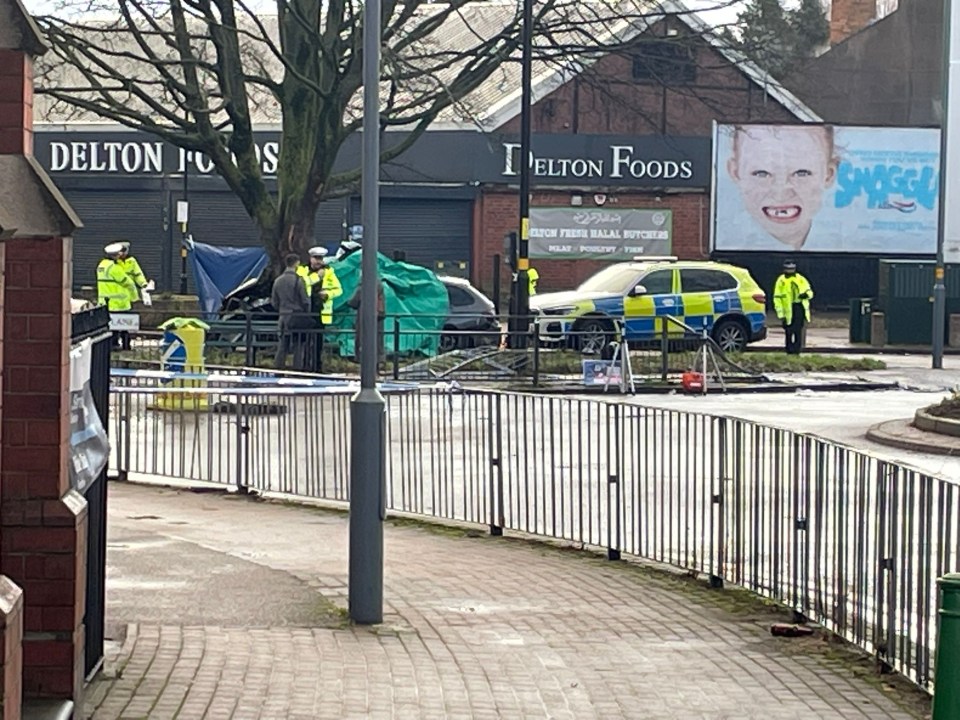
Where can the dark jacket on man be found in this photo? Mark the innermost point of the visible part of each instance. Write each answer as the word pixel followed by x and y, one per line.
pixel 289 296
pixel 289 299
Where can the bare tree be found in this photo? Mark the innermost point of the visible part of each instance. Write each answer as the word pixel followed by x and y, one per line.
pixel 201 73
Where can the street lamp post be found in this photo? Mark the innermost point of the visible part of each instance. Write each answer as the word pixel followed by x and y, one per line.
pixel 367 409
pixel 522 288
pixel 949 215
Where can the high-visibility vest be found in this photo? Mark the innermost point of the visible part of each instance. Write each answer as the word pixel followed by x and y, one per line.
pixel 310 277
pixel 132 268
pixel 113 285
pixel 532 278
pixel 333 289
pixel 311 280
pixel 787 291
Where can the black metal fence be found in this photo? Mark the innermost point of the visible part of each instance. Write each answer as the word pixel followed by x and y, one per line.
pixel 847 539
pixel 93 325
pixel 417 348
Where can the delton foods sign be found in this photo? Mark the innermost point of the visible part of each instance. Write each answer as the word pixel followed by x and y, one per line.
pixel 622 162
pixel 453 156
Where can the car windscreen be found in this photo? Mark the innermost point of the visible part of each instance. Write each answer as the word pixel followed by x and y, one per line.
pixel 614 279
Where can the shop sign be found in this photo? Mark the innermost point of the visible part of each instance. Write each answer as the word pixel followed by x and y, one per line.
pixel 600 233
pixel 441 156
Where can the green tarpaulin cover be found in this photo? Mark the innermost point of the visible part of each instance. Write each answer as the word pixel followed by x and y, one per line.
pixel 412 295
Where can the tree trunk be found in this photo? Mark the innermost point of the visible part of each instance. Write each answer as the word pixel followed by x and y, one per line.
pixel 292 233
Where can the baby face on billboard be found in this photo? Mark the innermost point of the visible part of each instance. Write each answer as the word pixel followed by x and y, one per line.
pixel 782 173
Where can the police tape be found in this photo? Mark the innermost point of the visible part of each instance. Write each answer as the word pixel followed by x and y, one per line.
pixel 237 378
pixel 268 384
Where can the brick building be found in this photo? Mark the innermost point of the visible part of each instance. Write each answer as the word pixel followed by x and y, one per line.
pixel 649 90
pixel 43 520
pixel 450 199
pixel 886 73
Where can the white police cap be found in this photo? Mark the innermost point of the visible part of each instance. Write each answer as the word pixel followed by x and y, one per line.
pixel 125 244
pixel 317 251
pixel 113 249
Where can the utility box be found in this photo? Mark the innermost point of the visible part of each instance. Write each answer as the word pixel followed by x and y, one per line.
pixel 953 337
pixel 860 311
pixel 906 298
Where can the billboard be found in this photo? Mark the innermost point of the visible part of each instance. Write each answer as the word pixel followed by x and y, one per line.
pixel 825 188
pixel 599 233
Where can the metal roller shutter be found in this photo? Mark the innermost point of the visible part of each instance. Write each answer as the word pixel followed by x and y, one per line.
pixel 110 215
pixel 426 230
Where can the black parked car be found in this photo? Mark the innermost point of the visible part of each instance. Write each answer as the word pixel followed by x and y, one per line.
pixel 472 321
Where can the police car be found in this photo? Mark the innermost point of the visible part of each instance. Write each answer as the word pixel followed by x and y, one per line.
pixel 721 299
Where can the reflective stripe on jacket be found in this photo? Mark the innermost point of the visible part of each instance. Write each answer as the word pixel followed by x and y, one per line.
pixel 787 291
pixel 332 289
pixel 114 286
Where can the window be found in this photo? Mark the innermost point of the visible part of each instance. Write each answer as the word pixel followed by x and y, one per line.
pixel 692 281
pixel 618 279
pixel 659 282
pixel 664 61
pixel 459 297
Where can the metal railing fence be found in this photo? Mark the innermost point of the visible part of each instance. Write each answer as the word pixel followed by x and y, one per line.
pixel 852 541
pixel 421 347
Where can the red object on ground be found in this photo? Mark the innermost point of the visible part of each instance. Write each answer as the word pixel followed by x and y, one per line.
pixel 692 381
pixel 788 630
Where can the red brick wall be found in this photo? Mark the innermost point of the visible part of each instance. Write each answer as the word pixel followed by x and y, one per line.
pixel 16 103
pixel 43 540
pixel 605 100
pixel 850 16
pixel 498 212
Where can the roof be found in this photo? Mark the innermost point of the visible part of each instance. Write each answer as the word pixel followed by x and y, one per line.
pixel 30 204
pixel 18 31
pixel 549 79
pixel 496 100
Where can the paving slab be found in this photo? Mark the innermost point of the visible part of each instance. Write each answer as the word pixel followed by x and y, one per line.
pixel 475 627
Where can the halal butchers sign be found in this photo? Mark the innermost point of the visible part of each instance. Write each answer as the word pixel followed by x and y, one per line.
pixel 619 234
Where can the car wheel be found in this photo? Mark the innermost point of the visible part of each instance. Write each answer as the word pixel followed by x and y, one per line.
pixel 592 335
pixel 730 335
pixel 448 341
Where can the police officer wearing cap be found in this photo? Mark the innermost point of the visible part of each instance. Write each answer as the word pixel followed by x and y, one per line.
pixel 115 287
pixel 323 287
pixel 791 300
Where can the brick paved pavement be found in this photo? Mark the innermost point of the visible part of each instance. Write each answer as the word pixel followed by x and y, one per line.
pixel 476 628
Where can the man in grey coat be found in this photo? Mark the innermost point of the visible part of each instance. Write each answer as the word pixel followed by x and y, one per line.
pixel 289 299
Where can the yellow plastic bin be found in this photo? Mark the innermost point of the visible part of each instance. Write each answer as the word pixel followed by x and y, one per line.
pixel 182 350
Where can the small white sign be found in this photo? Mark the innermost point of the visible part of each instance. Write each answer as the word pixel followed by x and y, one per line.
pixel 183 211
pixel 124 322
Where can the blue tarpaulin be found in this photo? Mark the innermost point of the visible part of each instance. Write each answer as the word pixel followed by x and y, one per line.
pixel 219 270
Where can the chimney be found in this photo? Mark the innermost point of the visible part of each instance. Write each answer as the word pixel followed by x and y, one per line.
pixel 850 16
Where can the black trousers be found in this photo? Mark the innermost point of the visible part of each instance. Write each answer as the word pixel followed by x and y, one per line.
pixel 794 330
pixel 292 339
pixel 314 351
pixel 120 340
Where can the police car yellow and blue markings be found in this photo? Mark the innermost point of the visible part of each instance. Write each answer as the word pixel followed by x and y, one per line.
pixel 699 311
